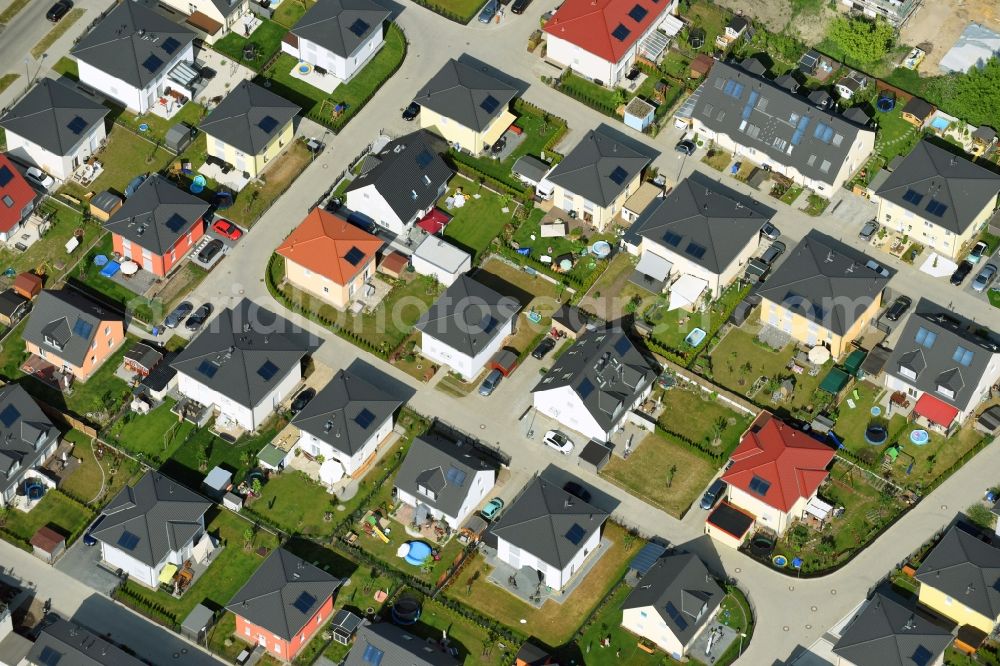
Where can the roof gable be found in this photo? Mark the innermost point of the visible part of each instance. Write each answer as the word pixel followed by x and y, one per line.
pixel 329 245
pixel 64 322
pixel 341 26
pixel 249 118
pixel 54 116
pixel 468 316
pixel 157 215
pixel 445 466
pixel 467 95
pixel 606 28
pixel 600 167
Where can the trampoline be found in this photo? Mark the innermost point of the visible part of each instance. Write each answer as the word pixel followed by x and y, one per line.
pixel 417 553
pixel 876 434
pixel 223 200
pixel 33 489
pixel 761 546
pixel 198 184
pixel 406 611
pixel 695 337
pixel 601 249
pixel 110 269
pixel 920 437
pixel 100 260
pixel 886 102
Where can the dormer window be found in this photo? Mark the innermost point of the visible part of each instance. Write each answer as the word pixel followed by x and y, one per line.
pixel 52 342
pixel 945 391
pixel 907 372
pixel 427 492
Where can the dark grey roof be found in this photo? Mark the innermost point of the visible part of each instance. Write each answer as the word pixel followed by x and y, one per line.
pixel 600 167
pixel 65 643
pixel 918 108
pixel 443 466
pixel 346 412
pixel 249 117
pixel 54 116
pixel 468 315
pixel 341 26
pixel 858 116
pixel 605 370
pixel 889 633
pixel 152 518
pixel 788 129
pixel 410 174
pixel 681 591
pixel 145 355
pixel 11 303
pixel 754 66
pixel 471 97
pixel 530 167
pixel 941 187
pixel 738 23
pixel 386 644
pixel 548 522
pixel 985 133
pixel 965 568
pixel 227 7
pixel 64 322
pixel 788 82
pixel 162 374
pixel 133 43
pixel 571 317
pixel 943 353
pixel 283 594
pixel 25 433
pixel 828 285
pixel 704 222
pixel 157 215
pixel 532 655
pixel 245 352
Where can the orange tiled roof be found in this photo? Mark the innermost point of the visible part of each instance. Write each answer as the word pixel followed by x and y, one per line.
pixel 329 245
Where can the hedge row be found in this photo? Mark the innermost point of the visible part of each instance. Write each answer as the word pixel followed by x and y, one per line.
pixel 510 253
pixel 472 172
pixel 698 448
pixel 15 539
pixel 87 506
pixel 445 12
pixel 592 102
pixel 145 607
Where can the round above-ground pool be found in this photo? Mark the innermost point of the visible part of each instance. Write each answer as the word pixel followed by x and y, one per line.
pixel 198 184
pixel 779 561
pixel 418 553
pixel 695 337
pixel 920 437
pixel 876 410
pixel 304 68
pixel 600 249
pixel 876 434
pixel 406 611
pixel 143 127
pixel 100 260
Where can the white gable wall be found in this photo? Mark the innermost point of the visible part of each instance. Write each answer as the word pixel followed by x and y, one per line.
pixel 351 464
pixel 990 377
pixel 479 487
pixel 342 68
pixel 247 417
pixel 445 277
pixel 649 624
pixel 145 574
pixel 136 99
pixel 59 166
pixel 370 204
pixel 564 405
pixel 467 366
pixel 554 577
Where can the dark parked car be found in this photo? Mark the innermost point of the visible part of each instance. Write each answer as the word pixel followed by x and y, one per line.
pixel 58 10
pixel 88 537
pixel 962 272
pixel 519 6
pixel 490 383
pixel 686 146
pixel 868 230
pixel 302 399
pixel 543 348
pixel 771 254
pixel 898 308
pixel 633 74
pixel 712 495
pixel 411 112
pixel 489 11
pixel 576 490
pixel 200 316
pixel 208 252
pixel 178 314
pixel 500 144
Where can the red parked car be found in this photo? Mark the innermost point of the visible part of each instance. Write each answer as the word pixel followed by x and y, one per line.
pixel 227 229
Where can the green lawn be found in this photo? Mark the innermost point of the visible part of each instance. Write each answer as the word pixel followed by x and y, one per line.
pixel 157 126
pixel 671 327
pixel 480 220
pixel 48 254
pixel 124 157
pixel 553 623
pixel 95 479
pixel 298 504
pixel 89 274
pixel 647 473
pixel 227 574
pixel 717 158
pixel 600 98
pixel 253 201
pixel 386 552
pixel 895 135
pixel 67 67
pixel 355 93
pixel 153 437
pixel 266 38
pixel 55 510
pixel 676 64
pixel 474 643
pixel 710 17
pixel 694 414
pixel 623 648
pixel 288 13
pixel 12 10
pixel 574 243
pixel 6 80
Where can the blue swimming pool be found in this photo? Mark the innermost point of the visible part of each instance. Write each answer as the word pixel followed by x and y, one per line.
pixel 418 554
pixel 110 269
pixel 940 123
pixel 695 337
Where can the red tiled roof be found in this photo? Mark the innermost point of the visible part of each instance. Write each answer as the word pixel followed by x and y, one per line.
pixel 47 539
pixel 434 221
pixel 788 463
pixel 19 191
pixel 934 410
pixel 323 242
pixel 592 24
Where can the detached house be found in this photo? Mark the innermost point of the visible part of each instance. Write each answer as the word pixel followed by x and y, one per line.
pixel 549 530
pixel 598 176
pixel 602 39
pixel 71 333
pixel 55 127
pixel 702 230
pixel 134 54
pixel 466 326
pixel 401 184
pixel 754 118
pixel 595 383
pixel 65 642
pixel 158 225
pixel 960 580
pixel 943 365
pixel 284 604
pixel 17 199
pixel 444 479
pixel 245 362
pixel 329 258
pixel 153 526
pixel 824 293
pixel 345 424
pixel 673 603
pixel 386 644
pixel 27 439
pixel 250 127
pixel 467 106
pixel 775 471
pixel 938 198
pixel 338 37
pixel 888 630
pixel 213 18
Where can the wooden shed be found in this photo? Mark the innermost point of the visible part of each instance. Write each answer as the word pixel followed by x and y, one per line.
pixel 28 285
pixel 13 307
pixel 105 204
pixel 393 264
pixel 47 544
pixel 701 65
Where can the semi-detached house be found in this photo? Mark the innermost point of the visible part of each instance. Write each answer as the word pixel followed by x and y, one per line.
pixel 338 37
pixel 27 439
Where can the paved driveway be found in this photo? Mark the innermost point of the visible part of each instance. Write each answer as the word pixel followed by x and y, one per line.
pixel 80 564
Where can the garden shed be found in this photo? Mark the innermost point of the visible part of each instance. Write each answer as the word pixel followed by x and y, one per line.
pixel 197 623
pixel 835 381
pixel 179 137
pixel 595 456
pixel 47 544
pixel 639 114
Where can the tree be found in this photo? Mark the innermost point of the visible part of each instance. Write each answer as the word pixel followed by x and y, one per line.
pixel 670 475
pixel 980 515
pixel 971 95
pixel 248 538
pixel 863 42
pixel 255 486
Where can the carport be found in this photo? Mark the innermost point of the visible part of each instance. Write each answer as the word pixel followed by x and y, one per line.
pixel 595 456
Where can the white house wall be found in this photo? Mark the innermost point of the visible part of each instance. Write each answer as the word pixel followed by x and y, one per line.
pixel 982 390
pixel 554 577
pixel 367 202
pixel 351 464
pixel 424 267
pixel 245 416
pixel 467 366
pixel 342 68
pixel 480 487
pixel 564 405
pixel 646 622
pixel 59 166
pixel 717 282
pixel 134 98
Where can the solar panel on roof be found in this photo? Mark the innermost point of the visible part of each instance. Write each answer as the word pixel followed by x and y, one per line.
pixel 304 602
pixel 9 416
pixel 759 485
pixel 618 176
pixel 364 418
pixel 936 208
pixel 152 64
pixel 5 175
pixel 175 223
pixel 638 13
pixel 489 104
pixel 695 250
pixel 83 328
pixel 49 657
pixel 170 45
pixel 585 388
pixel 128 541
pixel 354 256
pixel 267 371
pixel 676 616
pixel 455 476
pixel 925 338
pixel 267 124
pixel 922 656
pixel 672 239
pixel 77 125
pixel 913 197
pixel 647 557
pixel 962 356
pixel 576 534
pixel 372 655
pixel 621 33
pixel 359 27
pixel 208 369
pixel 622 345
pixel 424 158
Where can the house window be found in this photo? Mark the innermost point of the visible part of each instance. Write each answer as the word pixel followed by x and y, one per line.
pixel 427 492
pixel 326 290
pixel 643 614
pixel 93 345
pixel 246 630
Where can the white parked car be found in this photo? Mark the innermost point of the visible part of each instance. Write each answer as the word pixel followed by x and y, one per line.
pixel 558 441
pixel 39 178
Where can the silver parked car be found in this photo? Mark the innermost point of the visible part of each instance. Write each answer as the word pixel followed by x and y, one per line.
pixel 984 278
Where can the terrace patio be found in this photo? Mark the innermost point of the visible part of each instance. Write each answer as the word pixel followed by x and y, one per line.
pixel 48 373
pixel 316 77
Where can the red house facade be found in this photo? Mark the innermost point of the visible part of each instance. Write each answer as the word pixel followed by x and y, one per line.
pixel 17 198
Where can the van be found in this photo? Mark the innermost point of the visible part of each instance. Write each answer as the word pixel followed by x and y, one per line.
pixel 712 495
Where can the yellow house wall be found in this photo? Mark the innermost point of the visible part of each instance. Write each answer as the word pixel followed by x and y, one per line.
pixel 252 164
pixel 801 326
pixel 321 287
pixel 452 131
pixel 953 609
pixel 926 232
pixel 602 217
